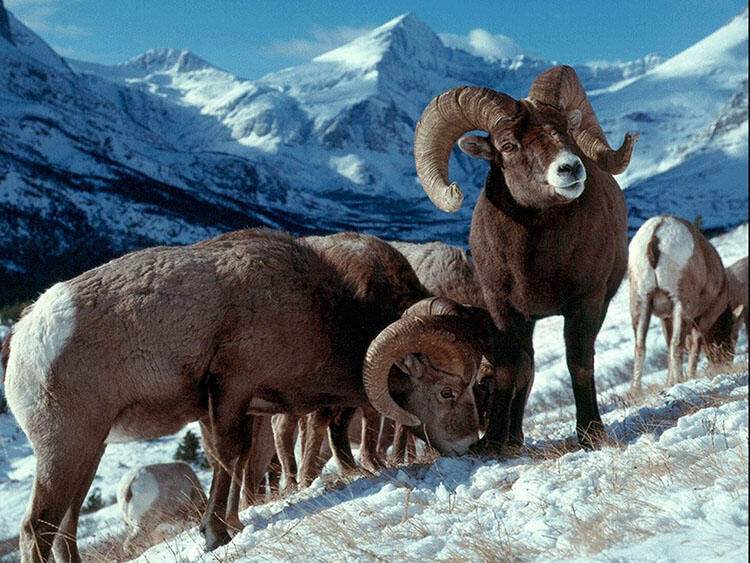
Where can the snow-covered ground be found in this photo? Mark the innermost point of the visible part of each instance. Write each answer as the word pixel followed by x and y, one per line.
pixel 671 486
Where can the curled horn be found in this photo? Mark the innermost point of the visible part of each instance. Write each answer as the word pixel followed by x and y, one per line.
pixel 559 87
pixel 434 306
pixel 438 337
pixel 448 116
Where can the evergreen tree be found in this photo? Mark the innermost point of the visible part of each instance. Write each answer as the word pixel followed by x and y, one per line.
pixel 189 448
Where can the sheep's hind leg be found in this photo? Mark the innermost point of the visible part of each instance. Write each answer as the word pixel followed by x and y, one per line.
pixel 675 346
pixel 256 464
pixel 65 547
pixel 694 351
pixel 641 320
pixel 231 438
pixel 66 464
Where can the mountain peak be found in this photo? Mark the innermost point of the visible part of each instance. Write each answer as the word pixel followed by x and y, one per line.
pixel 4 24
pixel 406 31
pixel 165 59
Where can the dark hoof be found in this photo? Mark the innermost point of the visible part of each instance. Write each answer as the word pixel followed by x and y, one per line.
pixel 214 538
pixel 486 448
pixel 593 437
pixel 371 464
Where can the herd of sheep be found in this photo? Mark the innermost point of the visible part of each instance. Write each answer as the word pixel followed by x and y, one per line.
pixel 260 336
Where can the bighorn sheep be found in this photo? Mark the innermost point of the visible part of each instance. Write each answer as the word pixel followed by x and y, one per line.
pixel 445 271
pixel 549 231
pixel 676 274
pixel 371 267
pixel 155 500
pixel 737 279
pixel 246 324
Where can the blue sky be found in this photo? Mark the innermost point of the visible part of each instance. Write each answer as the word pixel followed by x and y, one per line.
pixel 251 38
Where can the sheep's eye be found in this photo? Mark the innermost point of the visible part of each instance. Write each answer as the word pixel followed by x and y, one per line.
pixel 447 393
pixel 508 147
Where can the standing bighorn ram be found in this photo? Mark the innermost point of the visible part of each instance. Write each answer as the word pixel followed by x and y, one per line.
pixel 676 274
pixel 549 231
pixel 220 331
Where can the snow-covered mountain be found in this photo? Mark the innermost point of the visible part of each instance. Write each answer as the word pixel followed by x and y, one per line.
pixel 166 148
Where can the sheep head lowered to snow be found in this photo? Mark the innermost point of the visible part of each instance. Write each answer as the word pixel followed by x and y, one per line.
pixel 549 231
pixel 676 274
pixel 219 331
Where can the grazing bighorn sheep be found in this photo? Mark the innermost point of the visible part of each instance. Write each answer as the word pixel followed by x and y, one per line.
pixel 372 267
pixel 155 500
pixel 448 271
pixel 445 271
pixel 549 231
pixel 241 325
pixel 676 274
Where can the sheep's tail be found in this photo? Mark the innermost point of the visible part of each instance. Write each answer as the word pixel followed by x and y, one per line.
pixel 652 251
pixel 5 354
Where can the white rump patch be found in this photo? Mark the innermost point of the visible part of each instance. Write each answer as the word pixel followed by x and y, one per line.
pixel 38 338
pixel 676 246
pixel 640 272
pixel 567 175
pixel 145 490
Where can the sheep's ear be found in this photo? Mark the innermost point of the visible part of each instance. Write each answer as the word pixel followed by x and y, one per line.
pixel 410 365
pixel 574 120
pixel 399 382
pixel 477 146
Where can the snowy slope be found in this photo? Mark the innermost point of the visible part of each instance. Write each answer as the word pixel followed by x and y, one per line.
pixel 692 113
pixel 672 487
pixel 166 148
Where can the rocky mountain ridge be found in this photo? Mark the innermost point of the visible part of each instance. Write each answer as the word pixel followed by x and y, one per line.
pixel 168 149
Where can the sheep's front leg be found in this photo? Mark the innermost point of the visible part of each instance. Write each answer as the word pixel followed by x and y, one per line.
pixel 368 445
pixel 284 428
pixel 312 431
pixel 582 325
pixel 338 438
pixel 404 449
pixel 514 376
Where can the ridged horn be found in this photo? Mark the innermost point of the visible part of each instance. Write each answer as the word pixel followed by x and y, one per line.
pixel 448 116
pixel 434 306
pixel 441 338
pixel 560 87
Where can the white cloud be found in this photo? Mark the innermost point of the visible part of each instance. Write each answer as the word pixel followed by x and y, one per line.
pixel 320 41
pixel 482 43
pixel 39 15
